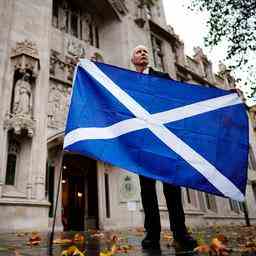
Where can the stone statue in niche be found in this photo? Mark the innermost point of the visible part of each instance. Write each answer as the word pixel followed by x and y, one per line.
pixel 22 103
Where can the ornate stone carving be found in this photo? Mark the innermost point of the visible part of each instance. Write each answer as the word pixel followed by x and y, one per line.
pixel 128 188
pixel 25 57
pixel 22 103
pixel 18 123
pixel 25 61
pixel 75 49
pixel 62 68
pixel 59 95
pixel 27 48
pixel 57 65
pixel 70 64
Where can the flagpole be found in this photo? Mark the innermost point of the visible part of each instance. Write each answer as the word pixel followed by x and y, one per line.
pixel 51 236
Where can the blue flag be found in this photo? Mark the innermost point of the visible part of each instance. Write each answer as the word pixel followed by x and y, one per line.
pixel 179 133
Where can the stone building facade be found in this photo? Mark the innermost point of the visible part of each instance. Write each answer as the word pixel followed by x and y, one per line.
pixel 40 43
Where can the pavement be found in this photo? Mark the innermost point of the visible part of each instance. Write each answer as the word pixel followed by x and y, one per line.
pixel 240 240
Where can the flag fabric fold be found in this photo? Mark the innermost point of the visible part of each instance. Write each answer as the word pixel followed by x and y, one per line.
pixel 179 133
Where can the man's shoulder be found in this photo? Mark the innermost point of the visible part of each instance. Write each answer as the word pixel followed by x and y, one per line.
pixel 158 73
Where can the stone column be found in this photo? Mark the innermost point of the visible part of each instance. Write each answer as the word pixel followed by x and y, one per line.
pixel 57 170
pixel 3 158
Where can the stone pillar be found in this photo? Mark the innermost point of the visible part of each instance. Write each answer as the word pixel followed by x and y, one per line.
pixel 57 170
pixel 101 194
pixel 3 157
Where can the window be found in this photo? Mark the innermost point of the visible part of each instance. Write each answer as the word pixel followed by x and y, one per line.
pixel 11 168
pixel 251 159
pixel 254 190
pixel 13 151
pixel 157 53
pixel 91 34
pixel 97 42
pixel 207 69
pixel 55 15
pixel 74 25
pixel 148 12
pixel 234 206
pixel 201 200
pixel 107 195
pixel 75 22
pixel 210 202
pixel 241 206
pixel 191 197
pixel 188 195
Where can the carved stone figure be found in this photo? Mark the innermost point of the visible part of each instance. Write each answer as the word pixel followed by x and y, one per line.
pixel 22 103
pixel 58 105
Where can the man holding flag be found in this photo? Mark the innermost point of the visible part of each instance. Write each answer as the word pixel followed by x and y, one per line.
pixel 162 129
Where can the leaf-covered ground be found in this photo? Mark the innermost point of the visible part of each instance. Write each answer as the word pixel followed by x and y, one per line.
pixel 215 240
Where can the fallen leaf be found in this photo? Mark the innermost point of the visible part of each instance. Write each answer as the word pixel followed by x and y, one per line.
pixel 72 251
pixel 123 248
pixel 98 235
pixel 140 230
pixel 79 237
pixel 34 239
pixel 62 241
pixel 204 248
pixel 21 234
pixel 114 238
pixel 167 237
pixel 222 238
pixel 106 252
pixel 218 248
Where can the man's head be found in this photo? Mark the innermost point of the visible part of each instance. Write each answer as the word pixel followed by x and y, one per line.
pixel 140 57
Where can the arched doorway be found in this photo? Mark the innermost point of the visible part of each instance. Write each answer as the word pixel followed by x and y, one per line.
pixel 79 192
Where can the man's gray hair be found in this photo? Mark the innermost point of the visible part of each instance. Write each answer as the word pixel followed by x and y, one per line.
pixel 136 48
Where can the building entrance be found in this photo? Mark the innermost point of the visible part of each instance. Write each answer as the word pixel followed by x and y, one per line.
pixel 79 193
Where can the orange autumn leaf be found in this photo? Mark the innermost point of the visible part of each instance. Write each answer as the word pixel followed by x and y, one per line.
pixel 113 249
pixel 219 248
pixel 114 238
pixel 79 237
pixel 222 238
pixel 204 248
pixel 62 241
pixel 140 230
pixel 124 248
pixel 167 237
pixel 34 239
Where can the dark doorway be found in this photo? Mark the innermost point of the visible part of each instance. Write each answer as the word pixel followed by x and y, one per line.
pixel 79 193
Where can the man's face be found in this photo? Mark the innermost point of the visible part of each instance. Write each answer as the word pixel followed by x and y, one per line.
pixel 140 56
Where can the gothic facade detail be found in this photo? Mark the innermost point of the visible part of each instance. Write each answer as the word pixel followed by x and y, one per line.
pixel 75 49
pixel 19 123
pixel 25 61
pixel 119 6
pixel 62 67
pixel 25 57
pixel 59 95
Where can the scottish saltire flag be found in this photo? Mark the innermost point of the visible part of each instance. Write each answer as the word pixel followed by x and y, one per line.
pixel 179 133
